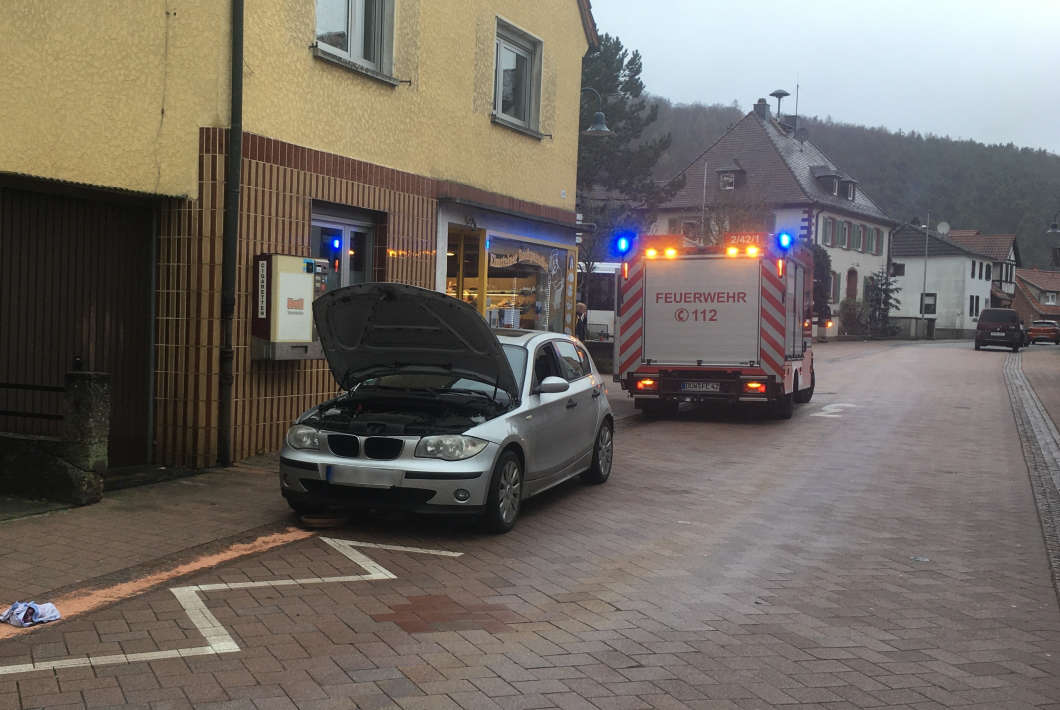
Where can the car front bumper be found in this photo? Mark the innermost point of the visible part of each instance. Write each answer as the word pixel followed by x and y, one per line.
pixel 407 482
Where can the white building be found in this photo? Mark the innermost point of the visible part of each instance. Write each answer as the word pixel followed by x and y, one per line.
pixel 957 287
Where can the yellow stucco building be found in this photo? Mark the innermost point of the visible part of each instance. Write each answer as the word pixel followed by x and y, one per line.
pixel 431 142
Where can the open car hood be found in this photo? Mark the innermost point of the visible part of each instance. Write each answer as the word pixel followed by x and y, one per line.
pixel 375 329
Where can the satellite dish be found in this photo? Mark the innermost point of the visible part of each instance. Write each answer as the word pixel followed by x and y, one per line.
pixel 943 228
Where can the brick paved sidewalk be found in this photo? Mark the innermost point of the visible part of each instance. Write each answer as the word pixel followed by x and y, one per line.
pixel 132 528
pixel 1041 365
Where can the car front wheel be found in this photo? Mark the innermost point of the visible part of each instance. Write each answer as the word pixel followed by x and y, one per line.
pixel 603 455
pixel 505 496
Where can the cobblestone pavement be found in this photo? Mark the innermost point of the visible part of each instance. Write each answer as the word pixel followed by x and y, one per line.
pixel 882 554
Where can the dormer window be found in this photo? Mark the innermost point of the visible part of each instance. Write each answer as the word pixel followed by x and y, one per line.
pixel 850 191
pixel 727 181
pixel 1050 298
pixel 835 186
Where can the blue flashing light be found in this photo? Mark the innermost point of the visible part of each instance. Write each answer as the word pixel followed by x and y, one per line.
pixel 336 243
pixel 623 243
pixel 785 240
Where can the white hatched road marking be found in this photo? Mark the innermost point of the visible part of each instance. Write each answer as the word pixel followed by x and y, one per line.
pixel 834 410
pixel 218 640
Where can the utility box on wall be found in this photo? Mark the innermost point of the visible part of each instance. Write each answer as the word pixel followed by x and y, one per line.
pixel 282 326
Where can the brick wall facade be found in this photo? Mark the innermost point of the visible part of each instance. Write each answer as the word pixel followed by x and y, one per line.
pixel 280 181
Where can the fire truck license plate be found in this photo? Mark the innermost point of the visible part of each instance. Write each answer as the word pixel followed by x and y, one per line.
pixel 700 387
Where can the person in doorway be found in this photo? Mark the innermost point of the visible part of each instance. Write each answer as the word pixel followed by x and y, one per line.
pixel 581 323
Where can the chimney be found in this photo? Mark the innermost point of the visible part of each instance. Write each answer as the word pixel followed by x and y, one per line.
pixel 762 109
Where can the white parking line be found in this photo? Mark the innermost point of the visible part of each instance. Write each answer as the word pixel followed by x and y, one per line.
pixel 217 638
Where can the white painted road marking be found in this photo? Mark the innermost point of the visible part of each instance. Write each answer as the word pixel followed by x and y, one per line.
pixel 834 410
pixel 218 640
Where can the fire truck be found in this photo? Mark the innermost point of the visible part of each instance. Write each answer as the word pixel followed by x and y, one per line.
pixel 708 323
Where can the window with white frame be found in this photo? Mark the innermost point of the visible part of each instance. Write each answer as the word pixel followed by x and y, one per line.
pixel 835 186
pixel 927 303
pixel 859 237
pixel 828 232
pixel 973 268
pixel 850 191
pixel 879 241
pixel 973 306
pixel 989 268
pixel 360 31
pixel 844 235
pixel 1050 298
pixel 516 82
pixel 727 181
pixel 897 269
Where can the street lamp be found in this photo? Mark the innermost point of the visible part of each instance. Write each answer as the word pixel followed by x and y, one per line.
pixel 923 289
pixel 599 124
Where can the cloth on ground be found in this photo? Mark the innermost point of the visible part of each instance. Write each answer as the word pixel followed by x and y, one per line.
pixel 30 613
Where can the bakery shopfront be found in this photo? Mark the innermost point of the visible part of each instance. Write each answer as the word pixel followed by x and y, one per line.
pixel 518 273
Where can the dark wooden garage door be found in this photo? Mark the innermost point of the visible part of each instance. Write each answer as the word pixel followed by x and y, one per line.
pixel 75 280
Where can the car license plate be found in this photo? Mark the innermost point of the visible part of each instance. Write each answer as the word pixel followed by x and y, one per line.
pixel 364 476
pixel 997 332
pixel 700 387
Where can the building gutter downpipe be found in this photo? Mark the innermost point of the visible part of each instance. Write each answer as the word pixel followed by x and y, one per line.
pixel 230 241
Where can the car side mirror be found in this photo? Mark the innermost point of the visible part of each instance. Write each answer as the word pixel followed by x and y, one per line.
pixel 552 385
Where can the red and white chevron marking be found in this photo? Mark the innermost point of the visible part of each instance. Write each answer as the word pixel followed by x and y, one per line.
pixel 772 322
pixel 629 340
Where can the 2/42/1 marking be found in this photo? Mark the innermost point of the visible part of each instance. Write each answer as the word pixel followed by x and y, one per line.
pixel 699 315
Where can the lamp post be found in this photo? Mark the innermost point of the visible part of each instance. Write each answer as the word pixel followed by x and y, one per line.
pixel 599 124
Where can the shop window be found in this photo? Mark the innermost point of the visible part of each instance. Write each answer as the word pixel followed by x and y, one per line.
pixel 462 257
pixel 515 93
pixel 360 31
pixel 347 244
pixel 526 285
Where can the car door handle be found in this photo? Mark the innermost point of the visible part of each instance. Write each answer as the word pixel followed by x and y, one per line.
pixel 571 404
pixel 596 393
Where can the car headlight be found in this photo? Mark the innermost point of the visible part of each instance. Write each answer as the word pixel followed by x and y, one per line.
pixel 449 447
pixel 301 436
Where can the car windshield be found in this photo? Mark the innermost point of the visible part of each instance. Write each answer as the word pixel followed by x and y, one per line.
pixel 991 315
pixel 434 384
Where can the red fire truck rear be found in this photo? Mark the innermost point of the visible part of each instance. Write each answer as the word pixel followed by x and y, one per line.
pixel 728 322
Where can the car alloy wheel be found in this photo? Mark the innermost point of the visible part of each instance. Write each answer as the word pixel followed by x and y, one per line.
pixel 508 491
pixel 603 455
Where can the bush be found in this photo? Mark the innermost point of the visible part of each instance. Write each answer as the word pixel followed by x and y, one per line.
pixel 853 317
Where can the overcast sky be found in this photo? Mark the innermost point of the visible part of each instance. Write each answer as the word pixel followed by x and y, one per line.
pixel 985 70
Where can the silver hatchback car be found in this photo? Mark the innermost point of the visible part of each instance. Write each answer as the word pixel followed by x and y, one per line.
pixel 441 414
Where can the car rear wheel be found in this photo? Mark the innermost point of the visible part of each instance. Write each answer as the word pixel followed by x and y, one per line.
pixel 603 455
pixel 505 496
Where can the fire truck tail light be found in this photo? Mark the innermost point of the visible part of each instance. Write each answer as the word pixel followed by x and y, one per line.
pixel 752 251
pixel 647 384
pixel 625 270
pixel 732 251
pixel 754 387
pixel 806 323
pixel 828 324
pixel 651 253
pixel 780 267
pixel 671 253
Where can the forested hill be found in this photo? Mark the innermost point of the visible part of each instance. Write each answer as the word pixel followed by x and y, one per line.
pixel 999 189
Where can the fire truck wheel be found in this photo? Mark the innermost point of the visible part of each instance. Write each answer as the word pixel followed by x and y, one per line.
pixel 784 406
pixel 603 454
pixel 804 396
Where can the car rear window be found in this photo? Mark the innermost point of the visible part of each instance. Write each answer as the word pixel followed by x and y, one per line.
pixel 1044 323
pixel 998 315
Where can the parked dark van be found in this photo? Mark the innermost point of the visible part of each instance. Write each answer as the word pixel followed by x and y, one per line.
pixel 999 326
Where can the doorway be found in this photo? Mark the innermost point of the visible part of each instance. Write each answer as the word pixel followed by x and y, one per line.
pixel 464 256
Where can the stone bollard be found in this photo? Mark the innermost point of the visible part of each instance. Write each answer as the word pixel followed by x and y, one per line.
pixel 86 419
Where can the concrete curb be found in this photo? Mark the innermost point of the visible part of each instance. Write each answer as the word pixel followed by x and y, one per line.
pixel 1041 451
